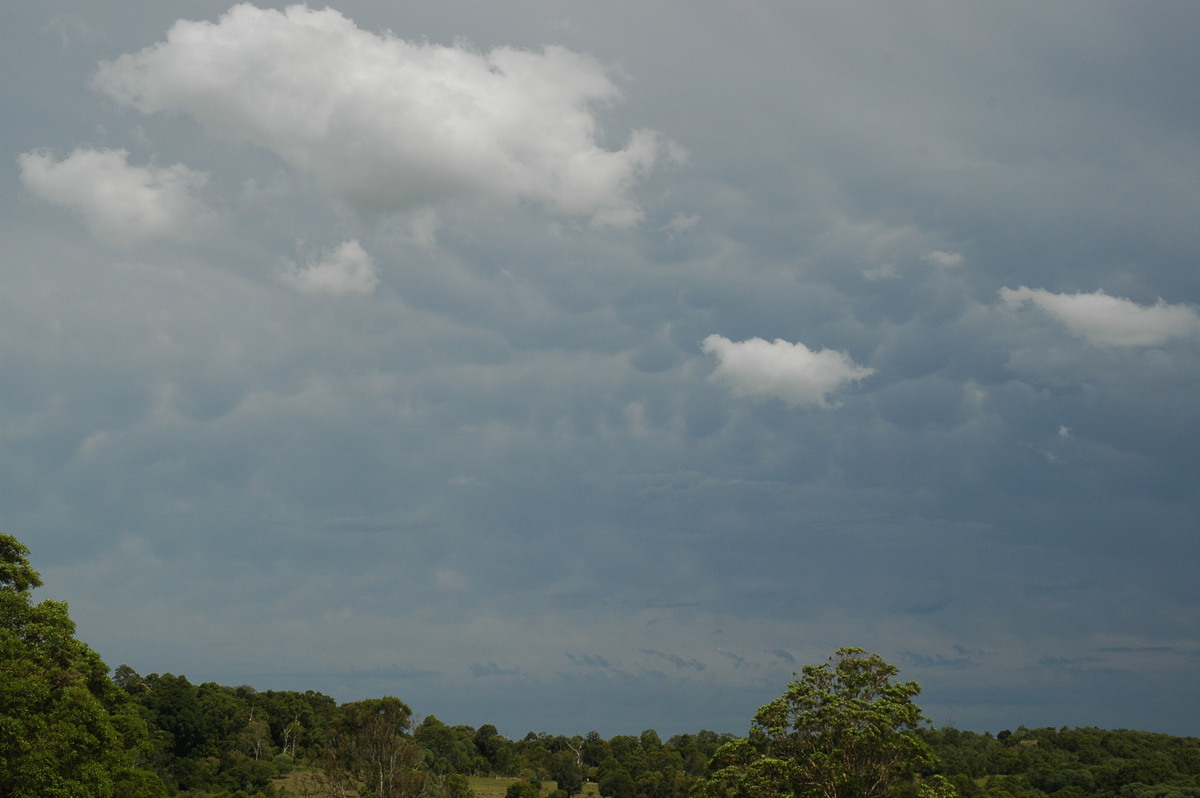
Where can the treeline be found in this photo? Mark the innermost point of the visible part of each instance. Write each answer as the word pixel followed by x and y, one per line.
pixel 212 740
pixel 208 739
pixel 1067 763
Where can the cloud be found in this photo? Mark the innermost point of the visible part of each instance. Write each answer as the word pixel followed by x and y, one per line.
pixel 939 661
pixel 589 660
pixel 121 204
pixel 681 223
pixel 70 29
pixel 345 270
pixel 506 451
pixel 945 260
pixel 679 662
pixel 484 669
pixel 1105 320
pixel 786 656
pixel 884 271
pixel 791 372
pixel 390 124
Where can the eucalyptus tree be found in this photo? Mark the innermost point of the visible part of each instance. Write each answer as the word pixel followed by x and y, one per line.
pixel 370 752
pixel 842 729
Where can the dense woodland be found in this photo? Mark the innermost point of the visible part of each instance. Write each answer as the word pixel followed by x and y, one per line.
pixel 70 728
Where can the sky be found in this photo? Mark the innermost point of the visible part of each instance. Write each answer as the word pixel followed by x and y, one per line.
pixel 595 366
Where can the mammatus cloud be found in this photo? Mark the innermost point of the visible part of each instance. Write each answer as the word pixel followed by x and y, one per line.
pixel 346 270
pixel 122 204
pixel 1105 320
pixel 791 372
pixel 390 124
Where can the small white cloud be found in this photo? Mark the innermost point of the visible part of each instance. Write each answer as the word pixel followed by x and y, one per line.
pixel 346 270
pixel 121 204
pixel 791 372
pixel 390 124
pixel 1064 431
pixel 945 260
pixel 1105 320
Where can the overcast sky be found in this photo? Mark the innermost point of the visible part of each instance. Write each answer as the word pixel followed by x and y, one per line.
pixel 572 366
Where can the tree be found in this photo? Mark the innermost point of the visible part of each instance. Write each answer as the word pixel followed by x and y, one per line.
pixel 371 753
pixel 65 728
pixel 448 749
pixel 844 729
pixel 594 749
pixel 615 781
pixel 457 785
pixel 495 748
pixel 526 788
pixel 566 771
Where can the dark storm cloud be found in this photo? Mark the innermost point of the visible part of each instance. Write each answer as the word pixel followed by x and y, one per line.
pixel 459 438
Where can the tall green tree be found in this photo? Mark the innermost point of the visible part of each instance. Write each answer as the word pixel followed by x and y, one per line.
pixel 843 729
pixel 497 749
pixel 371 753
pixel 66 731
pixel 566 771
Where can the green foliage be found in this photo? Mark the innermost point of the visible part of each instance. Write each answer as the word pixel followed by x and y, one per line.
pixel 844 729
pixel 496 750
pixel 594 749
pixel 615 781
pixel 456 785
pixel 567 771
pixel 527 788
pixel 370 753
pixel 16 574
pixel 209 738
pixel 449 749
pixel 1066 763
pixel 65 728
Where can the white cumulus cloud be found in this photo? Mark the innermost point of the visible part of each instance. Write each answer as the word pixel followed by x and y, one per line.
pixel 390 124
pixel 348 269
pixel 122 204
pixel 791 372
pixel 1105 320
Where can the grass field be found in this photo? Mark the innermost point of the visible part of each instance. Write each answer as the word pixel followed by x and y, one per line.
pixel 491 786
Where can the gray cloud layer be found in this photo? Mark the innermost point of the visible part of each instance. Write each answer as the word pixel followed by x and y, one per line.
pixel 370 353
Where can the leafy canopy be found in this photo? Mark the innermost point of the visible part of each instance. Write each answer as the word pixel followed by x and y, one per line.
pixel 843 729
pixel 66 731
